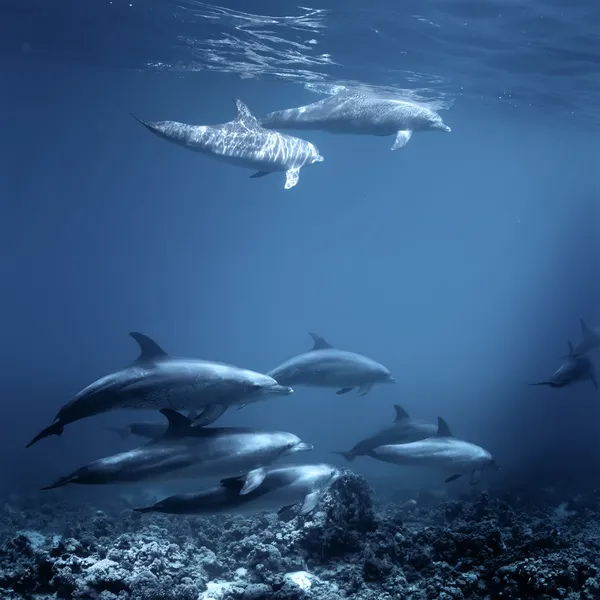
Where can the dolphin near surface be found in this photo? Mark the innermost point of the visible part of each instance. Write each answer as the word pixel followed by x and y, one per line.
pixel 186 451
pixel 281 489
pixel 326 366
pixel 156 380
pixel 359 114
pixel 442 451
pixel 242 142
pixel 401 431
pixel 575 367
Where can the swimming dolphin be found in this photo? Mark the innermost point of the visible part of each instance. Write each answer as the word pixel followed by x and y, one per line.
pixel 242 142
pixel 442 451
pixel 281 488
pixel 186 451
pixel 359 114
pixel 156 380
pixel 325 366
pixel 576 367
pixel 401 431
pixel 590 338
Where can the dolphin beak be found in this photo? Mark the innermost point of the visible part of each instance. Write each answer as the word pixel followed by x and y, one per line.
pixel 445 128
pixel 281 390
pixel 302 447
pixel 391 379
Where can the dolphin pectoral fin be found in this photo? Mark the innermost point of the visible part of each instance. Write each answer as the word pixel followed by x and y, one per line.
pixel 241 406
pixel 310 503
pixel 286 513
pixel 344 391
pixel 55 429
pixel 402 138
pixel 253 480
pixel 364 389
pixel 209 415
pixel 149 349
pixel 59 482
pixel 541 383
pixel 291 178
pixel 453 477
pixel 259 174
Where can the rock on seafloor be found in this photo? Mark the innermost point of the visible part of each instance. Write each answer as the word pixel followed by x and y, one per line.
pixel 486 545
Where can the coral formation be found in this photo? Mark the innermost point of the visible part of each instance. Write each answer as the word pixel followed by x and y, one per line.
pixel 486 545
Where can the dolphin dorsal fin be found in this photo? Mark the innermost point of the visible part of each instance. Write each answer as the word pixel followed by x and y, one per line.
pixel 443 429
pixel 149 349
pixel 178 424
pixel 244 115
pixel 319 343
pixel 401 414
pixel 585 330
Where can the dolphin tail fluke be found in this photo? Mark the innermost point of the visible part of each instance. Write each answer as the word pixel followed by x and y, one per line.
pixel 54 429
pixel 59 482
pixel 347 455
pixel 122 432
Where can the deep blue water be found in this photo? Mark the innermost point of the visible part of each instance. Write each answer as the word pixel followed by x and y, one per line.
pixel 463 262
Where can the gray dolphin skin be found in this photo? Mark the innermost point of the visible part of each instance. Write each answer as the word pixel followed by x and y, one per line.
pixel 359 114
pixel 186 451
pixel 590 338
pixel 326 366
pixel 575 367
pixel 156 380
pixel 401 431
pixel 242 142
pixel 442 451
pixel 281 489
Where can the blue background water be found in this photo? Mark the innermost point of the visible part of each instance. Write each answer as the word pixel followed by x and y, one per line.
pixel 462 262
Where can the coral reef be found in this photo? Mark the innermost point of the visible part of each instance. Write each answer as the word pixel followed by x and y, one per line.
pixel 485 545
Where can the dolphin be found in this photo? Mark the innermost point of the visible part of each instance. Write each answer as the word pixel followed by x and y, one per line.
pixel 242 142
pixel 186 451
pixel 576 367
pixel 156 380
pixel 359 114
pixel 281 489
pixel 401 431
pixel 325 366
pixel 442 451
pixel 590 338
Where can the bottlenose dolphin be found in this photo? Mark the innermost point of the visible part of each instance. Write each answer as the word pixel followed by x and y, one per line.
pixel 242 142
pixel 359 114
pixel 576 367
pixel 590 339
pixel 442 451
pixel 401 431
pixel 151 430
pixel 186 451
pixel 282 488
pixel 156 380
pixel 325 366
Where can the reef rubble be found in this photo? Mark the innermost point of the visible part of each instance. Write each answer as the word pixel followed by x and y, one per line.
pixel 482 546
